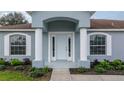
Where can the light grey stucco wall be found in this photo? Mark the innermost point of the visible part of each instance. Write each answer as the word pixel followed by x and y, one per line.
pixel 117 46
pixel 2 34
pixel 38 17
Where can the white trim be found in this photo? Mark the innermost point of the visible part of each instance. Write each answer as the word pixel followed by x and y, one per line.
pixel 17 30
pixel 108 43
pixel 60 32
pixel 28 45
pixel 73 36
pixel 38 44
pixel 106 30
pixel 73 46
pixel 83 44
pixel 49 48
pixel 7 44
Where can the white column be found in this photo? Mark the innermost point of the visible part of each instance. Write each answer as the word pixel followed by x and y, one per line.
pixel 83 44
pixel 38 44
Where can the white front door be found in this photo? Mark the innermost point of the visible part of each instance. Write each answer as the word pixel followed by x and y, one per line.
pixel 61 46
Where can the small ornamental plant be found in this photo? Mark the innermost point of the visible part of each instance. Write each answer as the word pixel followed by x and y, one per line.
pixel 2 61
pixel 16 62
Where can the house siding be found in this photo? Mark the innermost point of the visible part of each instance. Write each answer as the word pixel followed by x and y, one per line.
pixel 38 17
pixel 117 47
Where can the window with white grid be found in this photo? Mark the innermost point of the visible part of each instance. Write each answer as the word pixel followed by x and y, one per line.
pixel 17 44
pixel 97 45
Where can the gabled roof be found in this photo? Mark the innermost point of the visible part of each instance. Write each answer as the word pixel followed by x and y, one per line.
pixel 95 24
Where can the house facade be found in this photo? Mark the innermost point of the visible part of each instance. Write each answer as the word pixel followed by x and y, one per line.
pixel 63 39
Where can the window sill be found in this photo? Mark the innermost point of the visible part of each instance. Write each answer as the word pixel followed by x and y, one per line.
pixel 98 55
pixel 18 55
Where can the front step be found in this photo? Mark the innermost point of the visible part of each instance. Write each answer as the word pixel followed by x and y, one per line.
pixel 66 64
pixel 61 64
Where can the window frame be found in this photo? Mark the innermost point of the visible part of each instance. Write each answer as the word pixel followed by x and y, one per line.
pixel 108 46
pixel 17 45
pixel 99 45
pixel 7 46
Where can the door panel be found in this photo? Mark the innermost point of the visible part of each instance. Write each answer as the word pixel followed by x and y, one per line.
pixel 61 47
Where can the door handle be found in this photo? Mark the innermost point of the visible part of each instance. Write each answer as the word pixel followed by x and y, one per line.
pixel 66 48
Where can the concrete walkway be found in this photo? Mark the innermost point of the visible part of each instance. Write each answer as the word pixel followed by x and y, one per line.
pixel 97 77
pixel 60 75
pixel 64 75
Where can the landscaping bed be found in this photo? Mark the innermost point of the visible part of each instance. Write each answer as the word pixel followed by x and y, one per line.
pixel 16 70
pixel 105 67
pixel 93 72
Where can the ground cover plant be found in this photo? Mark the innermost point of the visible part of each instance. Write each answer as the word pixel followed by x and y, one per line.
pixel 115 67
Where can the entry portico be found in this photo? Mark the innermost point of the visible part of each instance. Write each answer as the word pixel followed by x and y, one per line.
pixel 61 38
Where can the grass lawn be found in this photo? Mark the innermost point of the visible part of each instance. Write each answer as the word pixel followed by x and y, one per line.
pixel 13 76
pixel 10 74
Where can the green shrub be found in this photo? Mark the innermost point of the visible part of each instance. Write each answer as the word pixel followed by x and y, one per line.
pixel 100 69
pixel 116 62
pixel 105 64
pixel 81 69
pixel 16 62
pixel 2 62
pixel 2 67
pixel 20 68
pixel 122 67
pixel 119 67
pixel 45 69
pixel 36 73
pixel 32 69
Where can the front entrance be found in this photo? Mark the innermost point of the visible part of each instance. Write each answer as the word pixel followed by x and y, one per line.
pixel 61 46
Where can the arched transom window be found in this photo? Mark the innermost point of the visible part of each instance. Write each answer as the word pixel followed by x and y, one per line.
pixel 18 44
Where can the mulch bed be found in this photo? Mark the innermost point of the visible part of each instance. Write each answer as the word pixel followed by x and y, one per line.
pixel 46 77
pixel 92 72
pixel 26 71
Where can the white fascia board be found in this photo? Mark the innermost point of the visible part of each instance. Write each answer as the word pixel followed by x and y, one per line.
pixel 17 29
pixel 106 30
